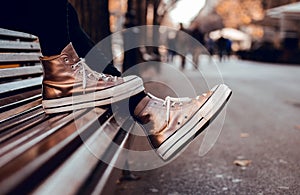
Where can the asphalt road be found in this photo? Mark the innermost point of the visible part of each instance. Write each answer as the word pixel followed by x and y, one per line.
pixel 262 126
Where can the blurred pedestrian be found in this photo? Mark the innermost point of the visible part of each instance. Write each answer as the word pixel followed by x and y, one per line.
pixel 210 46
pixel 182 45
pixel 228 48
pixel 171 46
pixel 196 48
pixel 222 46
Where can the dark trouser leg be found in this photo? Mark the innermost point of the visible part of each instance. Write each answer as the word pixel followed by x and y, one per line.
pixel 56 24
pixel 45 19
pixel 81 41
pixel 83 44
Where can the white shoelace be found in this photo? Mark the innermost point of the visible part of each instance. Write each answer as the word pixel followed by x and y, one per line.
pixel 82 68
pixel 170 102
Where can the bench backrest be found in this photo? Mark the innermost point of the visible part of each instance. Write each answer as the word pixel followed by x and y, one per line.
pixel 43 154
pixel 20 73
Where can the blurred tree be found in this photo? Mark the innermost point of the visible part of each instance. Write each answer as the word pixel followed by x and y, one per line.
pixel 144 12
pixel 160 9
pixel 135 16
pixel 267 4
pixel 236 13
pixel 94 18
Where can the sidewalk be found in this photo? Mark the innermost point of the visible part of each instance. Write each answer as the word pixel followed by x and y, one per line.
pixel 262 126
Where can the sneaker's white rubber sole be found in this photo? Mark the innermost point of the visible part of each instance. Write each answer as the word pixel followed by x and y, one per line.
pixel 130 87
pixel 201 119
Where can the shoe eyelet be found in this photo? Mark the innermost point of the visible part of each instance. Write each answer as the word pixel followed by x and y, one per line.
pixel 185 117
pixel 66 60
pixel 178 123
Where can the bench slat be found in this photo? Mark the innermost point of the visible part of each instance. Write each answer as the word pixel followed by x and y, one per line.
pixel 22 84
pixel 117 159
pixel 23 133
pixel 10 33
pixel 39 153
pixel 37 134
pixel 19 102
pixel 16 127
pixel 19 45
pixel 32 120
pixel 4 116
pixel 20 71
pixel 58 142
pixel 19 57
pixel 86 156
pixel 10 100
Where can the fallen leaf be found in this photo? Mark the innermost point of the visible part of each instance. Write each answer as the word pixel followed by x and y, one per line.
pixel 224 188
pixel 153 190
pixel 236 180
pixel 242 163
pixel 284 187
pixel 244 135
pixel 297 127
pixel 283 161
pixel 293 103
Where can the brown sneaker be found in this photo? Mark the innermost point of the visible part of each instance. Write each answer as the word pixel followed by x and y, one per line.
pixel 69 84
pixel 173 123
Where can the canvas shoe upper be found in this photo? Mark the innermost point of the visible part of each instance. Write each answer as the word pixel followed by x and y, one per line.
pixel 172 123
pixel 69 83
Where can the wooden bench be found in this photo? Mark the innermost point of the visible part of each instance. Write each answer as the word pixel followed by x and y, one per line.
pixel 50 154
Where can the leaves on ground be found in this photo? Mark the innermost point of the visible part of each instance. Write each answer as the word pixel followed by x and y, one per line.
pixel 283 161
pixel 297 127
pixel 284 187
pixel 242 163
pixel 154 190
pixel 244 135
pixel 236 180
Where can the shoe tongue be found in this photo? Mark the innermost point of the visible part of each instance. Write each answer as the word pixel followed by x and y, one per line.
pixel 70 51
pixel 141 105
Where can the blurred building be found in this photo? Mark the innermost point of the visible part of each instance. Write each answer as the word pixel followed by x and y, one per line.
pixel 285 22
